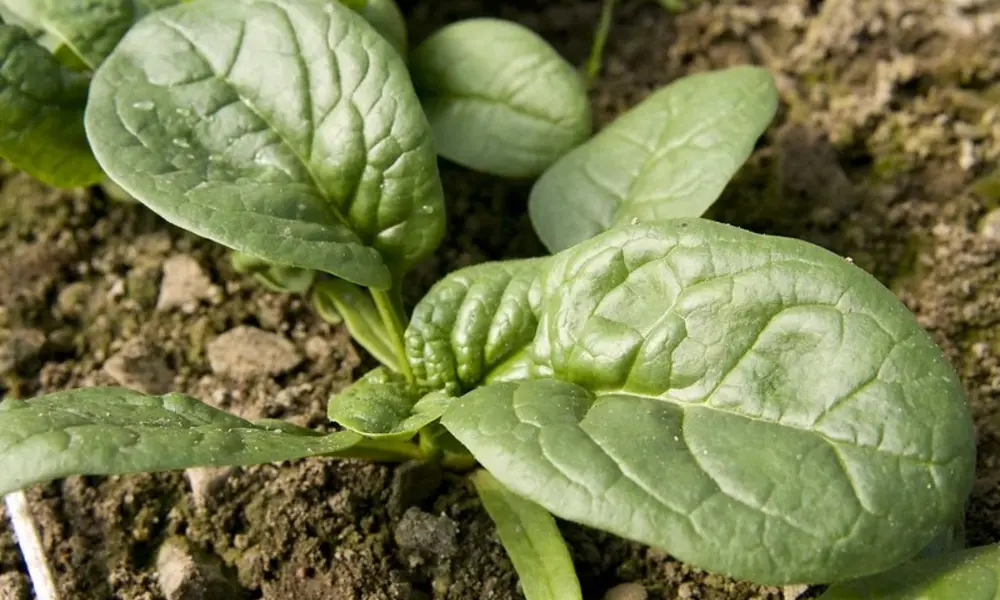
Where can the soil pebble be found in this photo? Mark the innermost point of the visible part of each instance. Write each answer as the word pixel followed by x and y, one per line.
pixel 425 534
pixel 184 284
pixel 247 352
pixel 141 367
pixel 19 349
pixel 794 592
pixel 186 574
pixel 205 482
pixel 627 591
pixel 412 483
pixel 989 225
pixel 13 586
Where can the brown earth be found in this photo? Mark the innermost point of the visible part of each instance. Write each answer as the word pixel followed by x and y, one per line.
pixel 885 151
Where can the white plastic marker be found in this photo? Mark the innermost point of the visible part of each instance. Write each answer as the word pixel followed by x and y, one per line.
pixel 31 545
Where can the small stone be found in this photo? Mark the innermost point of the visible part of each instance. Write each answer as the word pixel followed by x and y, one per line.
pixel 412 483
pixel 13 586
pixel 20 348
pixel 141 367
pixel 246 352
pixel 627 591
pixel 73 299
pixel 989 225
pixel 205 482
pixel 184 284
pixel 427 534
pixel 185 574
pixel 685 590
pixel 793 592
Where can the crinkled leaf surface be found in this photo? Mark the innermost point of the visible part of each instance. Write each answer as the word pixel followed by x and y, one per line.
pixel 471 322
pixel 287 130
pixel 106 431
pixel 532 541
pixel 382 404
pixel 387 19
pixel 89 29
pixel 500 99
pixel 670 156
pixel 41 113
pixel 972 574
pixel 753 405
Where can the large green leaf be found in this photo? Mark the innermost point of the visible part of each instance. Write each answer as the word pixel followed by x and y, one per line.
pixel 471 322
pixel 753 405
pixel 387 19
pixel 501 100
pixel 106 431
pixel 670 156
pixel 972 574
pixel 284 129
pixel 89 29
pixel 532 540
pixel 41 113
pixel 383 404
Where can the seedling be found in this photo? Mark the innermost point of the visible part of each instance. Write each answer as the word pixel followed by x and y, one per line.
pixel 753 405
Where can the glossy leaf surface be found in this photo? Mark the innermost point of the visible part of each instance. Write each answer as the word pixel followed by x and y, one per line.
pixel 107 431
pixel 41 113
pixel 382 404
pixel 532 541
pixel 500 99
pixel 971 574
pixel 670 156
pixel 287 130
pixel 753 405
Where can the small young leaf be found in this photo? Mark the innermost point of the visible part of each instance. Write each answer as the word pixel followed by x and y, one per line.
pixel 795 403
pixel 500 99
pixel 356 308
pixel 108 431
pixel 287 130
pixel 532 541
pixel 670 156
pixel 388 20
pixel 382 404
pixel 41 114
pixel 471 322
pixel 278 278
pixel 972 574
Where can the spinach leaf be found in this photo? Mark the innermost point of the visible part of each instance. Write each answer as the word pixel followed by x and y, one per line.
pixel 106 431
pixel 532 540
pixel 753 405
pixel 471 322
pixel 323 160
pixel 87 29
pixel 41 114
pixel 276 278
pixel 336 299
pixel 670 156
pixel 387 19
pixel 972 574
pixel 500 99
pixel 383 404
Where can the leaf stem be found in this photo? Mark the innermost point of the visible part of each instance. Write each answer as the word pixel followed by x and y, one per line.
pixel 383 450
pixel 600 39
pixel 395 324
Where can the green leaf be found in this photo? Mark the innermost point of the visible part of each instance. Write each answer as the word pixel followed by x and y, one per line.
pixel 472 322
pixel 500 99
pixel 356 308
pixel 41 114
pixel 753 405
pixel 382 404
pixel 971 574
pixel 388 20
pixel 286 130
pixel 108 431
pixel 670 156
pixel 87 29
pixel 532 541
pixel 277 278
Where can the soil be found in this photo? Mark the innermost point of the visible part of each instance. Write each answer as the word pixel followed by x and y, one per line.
pixel 885 151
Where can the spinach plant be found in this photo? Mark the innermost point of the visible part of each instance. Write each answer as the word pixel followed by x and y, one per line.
pixel 754 405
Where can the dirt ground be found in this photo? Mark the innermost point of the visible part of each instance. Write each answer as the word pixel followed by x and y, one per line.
pixel 885 151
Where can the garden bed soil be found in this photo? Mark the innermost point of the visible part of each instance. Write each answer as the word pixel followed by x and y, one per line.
pixel 885 151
